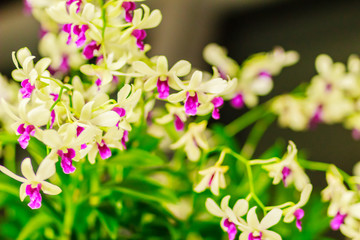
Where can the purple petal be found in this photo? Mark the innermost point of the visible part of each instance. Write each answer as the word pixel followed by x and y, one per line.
pixel 355 134
pixel 191 104
pixel 26 89
pixel 64 65
pixel 35 196
pixel 69 2
pixel 120 111
pixel 104 150
pixel 67 28
pixel 216 113
pixel 238 101
pixel 24 140
pixel 217 101
pixel 179 125
pixel 55 96
pixel 163 88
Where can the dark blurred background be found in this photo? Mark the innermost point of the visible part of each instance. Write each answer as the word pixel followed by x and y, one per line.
pixel 244 27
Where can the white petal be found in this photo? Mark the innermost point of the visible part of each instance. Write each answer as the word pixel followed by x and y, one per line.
pixel 225 202
pixel 270 235
pixel 214 86
pixel 195 80
pixel 162 65
pixel 46 169
pixel 86 111
pixel 354 210
pixel 38 116
pixel 78 102
pixel 107 119
pixel 181 68
pixel 305 194
pixel 150 83
pixel 27 169
pixel 192 151
pixel 177 97
pixel 88 11
pixel 153 20
pixel 49 188
pixel 11 174
pixel 272 218
pixel 42 65
pixel 22 54
pixel 241 207
pixel 214 187
pixel 252 218
pixel 213 208
pixel 51 138
pixel 141 67
pixel 22 192
pixel 203 184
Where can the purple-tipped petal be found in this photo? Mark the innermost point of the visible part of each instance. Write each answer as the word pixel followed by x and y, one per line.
pixel 285 173
pixel 129 8
pixel 337 221
pixel 163 88
pixel 78 3
pixel 89 49
pixel 35 196
pixel 120 111
pixel 191 104
pixel 179 125
pixel 140 35
pixel 238 101
pixel 104 150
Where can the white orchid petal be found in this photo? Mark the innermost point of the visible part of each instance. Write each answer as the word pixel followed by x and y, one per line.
pixel 22 192
pixel 107 119
pixel 46 169
pixel 49 188
pixel 27 169
pixel 213 208
pixel 11 174
pixel 241 207
pixel 252 218
pixel 272 218
pixel 181 68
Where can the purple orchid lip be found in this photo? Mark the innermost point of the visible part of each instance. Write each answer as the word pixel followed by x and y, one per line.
pixel 337 221
pixel 252 237
pixel 191 104
pixel 25 133
pixel 285 173
pixel 120 111
pixel 129 8
pixel 125 138
pixel 237 101
pixel 104 150
pixel 316 118
pixel 163 88
pixel 179 125
pixel 26 89
pixel 217 102
pixel 66 160
pixel 35 196
pixel 140 35
pixel 231 229
pixel 80 32
pixel 299 214
pixel 52 117
pixel 89 49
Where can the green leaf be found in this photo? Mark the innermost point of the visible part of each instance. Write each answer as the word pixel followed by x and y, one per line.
pixel 36 223
pixel 136 158
pixel 109 223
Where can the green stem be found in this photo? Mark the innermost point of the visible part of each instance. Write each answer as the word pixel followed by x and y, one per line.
pixel 245 120
pixel 250 178
pixel 255 136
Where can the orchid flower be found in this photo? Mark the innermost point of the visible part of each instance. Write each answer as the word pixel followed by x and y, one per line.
pixel 32 183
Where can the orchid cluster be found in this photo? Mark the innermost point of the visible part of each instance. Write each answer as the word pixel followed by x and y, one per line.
pixel 109 127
